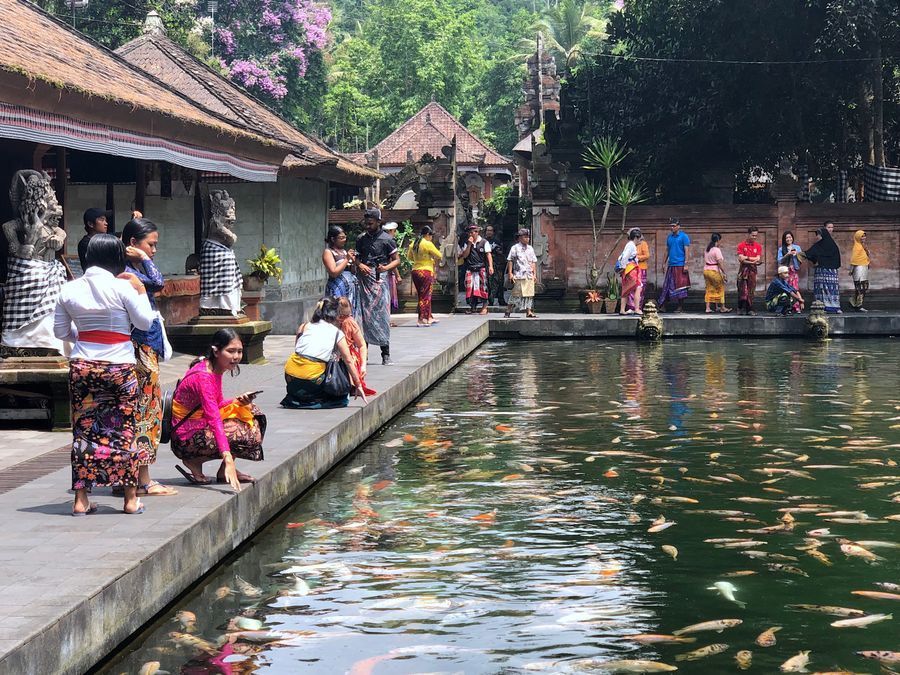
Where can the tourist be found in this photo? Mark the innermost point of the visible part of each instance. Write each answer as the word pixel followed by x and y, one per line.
pixel 97 312
pixel 141 237
pixel 631 275
pixel 317 343
pixel 495 281
pixel 789 255
pixel 714 276
pixel 859 270
pixel 206 426
pixel 95 222
pixel 479 264
pixel 424 254
pixel 749 253
pixel 678 280
pixel 521 268
pixel 355 340
pixel 826 256
pixel 643 257
pixel 338 263
pixel 394 277
pixel 781 296
pixel 376 256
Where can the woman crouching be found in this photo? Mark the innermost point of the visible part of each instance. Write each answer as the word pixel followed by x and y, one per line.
pixel 317 343
pixel 207 427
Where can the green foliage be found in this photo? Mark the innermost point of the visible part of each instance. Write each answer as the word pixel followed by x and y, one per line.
pixel 496 207
pixel 266 264
pixel 613 290
pixel 404 237
pixel 587 194
pixel 625 192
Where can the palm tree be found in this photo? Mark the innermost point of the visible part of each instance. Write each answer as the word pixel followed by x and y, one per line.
pixel 625 192
pixel 567 26
pixel 589 195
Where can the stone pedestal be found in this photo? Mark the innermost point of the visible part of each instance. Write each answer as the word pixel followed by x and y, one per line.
pixel 179 300
pixel 36 388
pixel 251 301
pixel 194 337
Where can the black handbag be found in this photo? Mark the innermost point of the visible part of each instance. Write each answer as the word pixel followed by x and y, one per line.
pixel 337 379
pixel 166 426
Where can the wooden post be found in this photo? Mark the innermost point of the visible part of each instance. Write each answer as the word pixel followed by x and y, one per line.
pixel 453 226
pixel 111 207
pixel 140 184
pixel 198 215
pixel 62 181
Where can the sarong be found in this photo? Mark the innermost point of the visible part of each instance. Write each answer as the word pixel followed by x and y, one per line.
pixel 148 414
pixel 715 287
pixel 794 281
pixel 746 286
pixel 676 284
pixel 376 309
pixel 31 291
pixel 104 399
pixel 220 277
pixel 244 439
pixel 303 394
pixel 631 280
pixel 495 287
pixel 476 284
pixel 423 281
pixel 629 301
pixel 780 304
pixel 522 294
pixel 346 286
pixel 395 299
pixel 860 274
pixel 826 288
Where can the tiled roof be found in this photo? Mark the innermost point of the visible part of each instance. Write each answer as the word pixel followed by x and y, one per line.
pixel 428 131
pixel 165 60
pixel 39 47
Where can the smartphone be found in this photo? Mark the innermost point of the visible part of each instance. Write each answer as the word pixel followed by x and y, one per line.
pixel 256 393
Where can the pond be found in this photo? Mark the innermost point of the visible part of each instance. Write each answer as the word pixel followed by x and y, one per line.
pixel 559 506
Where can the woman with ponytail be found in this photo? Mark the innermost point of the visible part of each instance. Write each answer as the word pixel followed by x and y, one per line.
pixel 424 255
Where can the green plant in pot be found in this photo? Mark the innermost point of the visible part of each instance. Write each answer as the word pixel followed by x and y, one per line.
pixel 612 293
pixel 265 265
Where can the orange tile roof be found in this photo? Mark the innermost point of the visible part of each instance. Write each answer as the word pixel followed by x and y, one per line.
pixel 428 131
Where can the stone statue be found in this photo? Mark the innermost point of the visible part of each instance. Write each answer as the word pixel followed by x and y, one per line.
pixel 34 277
pixel 220 275
pixel 650 326
pixel 816 322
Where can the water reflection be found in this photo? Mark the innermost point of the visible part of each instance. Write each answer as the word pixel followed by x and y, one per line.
pixel 501 524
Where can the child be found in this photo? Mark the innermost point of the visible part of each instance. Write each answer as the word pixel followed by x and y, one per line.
pixel 521 268
pixel 355 340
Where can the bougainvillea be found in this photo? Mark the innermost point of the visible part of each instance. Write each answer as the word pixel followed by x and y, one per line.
pixel 267 45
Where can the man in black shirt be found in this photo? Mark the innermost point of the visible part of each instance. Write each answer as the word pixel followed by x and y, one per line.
pixel 495 281
pixel 95 222
pixel 377 257
pixel 476 254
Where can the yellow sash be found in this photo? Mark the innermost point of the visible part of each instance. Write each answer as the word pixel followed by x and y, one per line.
pixel 233 410
pixel 303 368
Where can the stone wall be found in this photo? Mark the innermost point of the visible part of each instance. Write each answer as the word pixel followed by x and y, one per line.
pixel 564 238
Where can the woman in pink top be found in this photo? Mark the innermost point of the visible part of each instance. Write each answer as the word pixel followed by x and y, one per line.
pixel 714 275
pixel 205 426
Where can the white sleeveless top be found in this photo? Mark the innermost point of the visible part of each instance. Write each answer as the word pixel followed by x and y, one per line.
pixel 318 340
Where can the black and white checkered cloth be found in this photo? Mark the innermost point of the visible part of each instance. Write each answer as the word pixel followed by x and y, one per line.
pixel 219 271
pixel 31 291
pixel 882 183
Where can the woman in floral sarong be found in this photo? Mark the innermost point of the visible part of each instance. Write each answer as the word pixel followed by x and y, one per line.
pixel 789 255
pixel 338 261
pixel 714 276
pixel 206 426
pixel 141 237
pixel 424 254
pixel 97 312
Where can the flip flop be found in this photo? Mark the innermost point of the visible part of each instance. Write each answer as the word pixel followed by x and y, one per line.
pixel 144 490
pixel 191 478
pixel 92 508
pixel 136 512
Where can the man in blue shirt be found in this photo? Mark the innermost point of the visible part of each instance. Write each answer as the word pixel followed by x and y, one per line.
pixel 678 281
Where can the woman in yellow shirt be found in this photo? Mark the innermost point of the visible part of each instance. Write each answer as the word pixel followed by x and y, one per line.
pixel 424 254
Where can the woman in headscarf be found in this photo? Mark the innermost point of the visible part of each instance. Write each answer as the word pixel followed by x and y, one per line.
pixel 859 270
pixel 826 256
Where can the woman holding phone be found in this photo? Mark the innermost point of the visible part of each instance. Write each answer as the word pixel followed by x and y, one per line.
pixel 205 426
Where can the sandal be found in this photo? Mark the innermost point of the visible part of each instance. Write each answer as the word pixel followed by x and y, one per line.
pixel 92 508
pixel 161 490
pixel 506 315
pixel 726 310
pixel 192 478
pixel 139 510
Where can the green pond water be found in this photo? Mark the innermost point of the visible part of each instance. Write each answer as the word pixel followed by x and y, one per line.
pixel 500 524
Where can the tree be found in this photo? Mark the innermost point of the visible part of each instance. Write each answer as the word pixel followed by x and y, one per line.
pixel 567 27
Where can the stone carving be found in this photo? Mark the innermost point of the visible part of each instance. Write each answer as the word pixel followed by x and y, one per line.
pixel 650 327
pixel 220 275
pixel 816 322
pixel 34 275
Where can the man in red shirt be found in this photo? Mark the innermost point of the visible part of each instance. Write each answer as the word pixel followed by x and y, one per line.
pixel 750 258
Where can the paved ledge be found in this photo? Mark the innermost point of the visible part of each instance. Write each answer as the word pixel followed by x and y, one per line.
pixel 72 590
pixel 556 326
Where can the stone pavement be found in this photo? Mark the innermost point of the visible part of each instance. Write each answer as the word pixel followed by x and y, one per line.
pixel 71 589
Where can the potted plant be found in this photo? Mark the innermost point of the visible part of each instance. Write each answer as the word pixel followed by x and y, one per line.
pixel 612 293
pixel 266 264
pixel 593 303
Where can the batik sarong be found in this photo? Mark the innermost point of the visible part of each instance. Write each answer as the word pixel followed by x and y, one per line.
pixel 423 281
pixel 245 428
pixel 860 274
pixel 746 286
pixel 780 304
pixel 715 287
pixel 346 286
pixel 629 301
pixel 476 284
pixel 375 300
pixel 631 280
pixel 522 295
pixel 104 400
pixel 826 288
pixel 676 284
pixel 148 414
